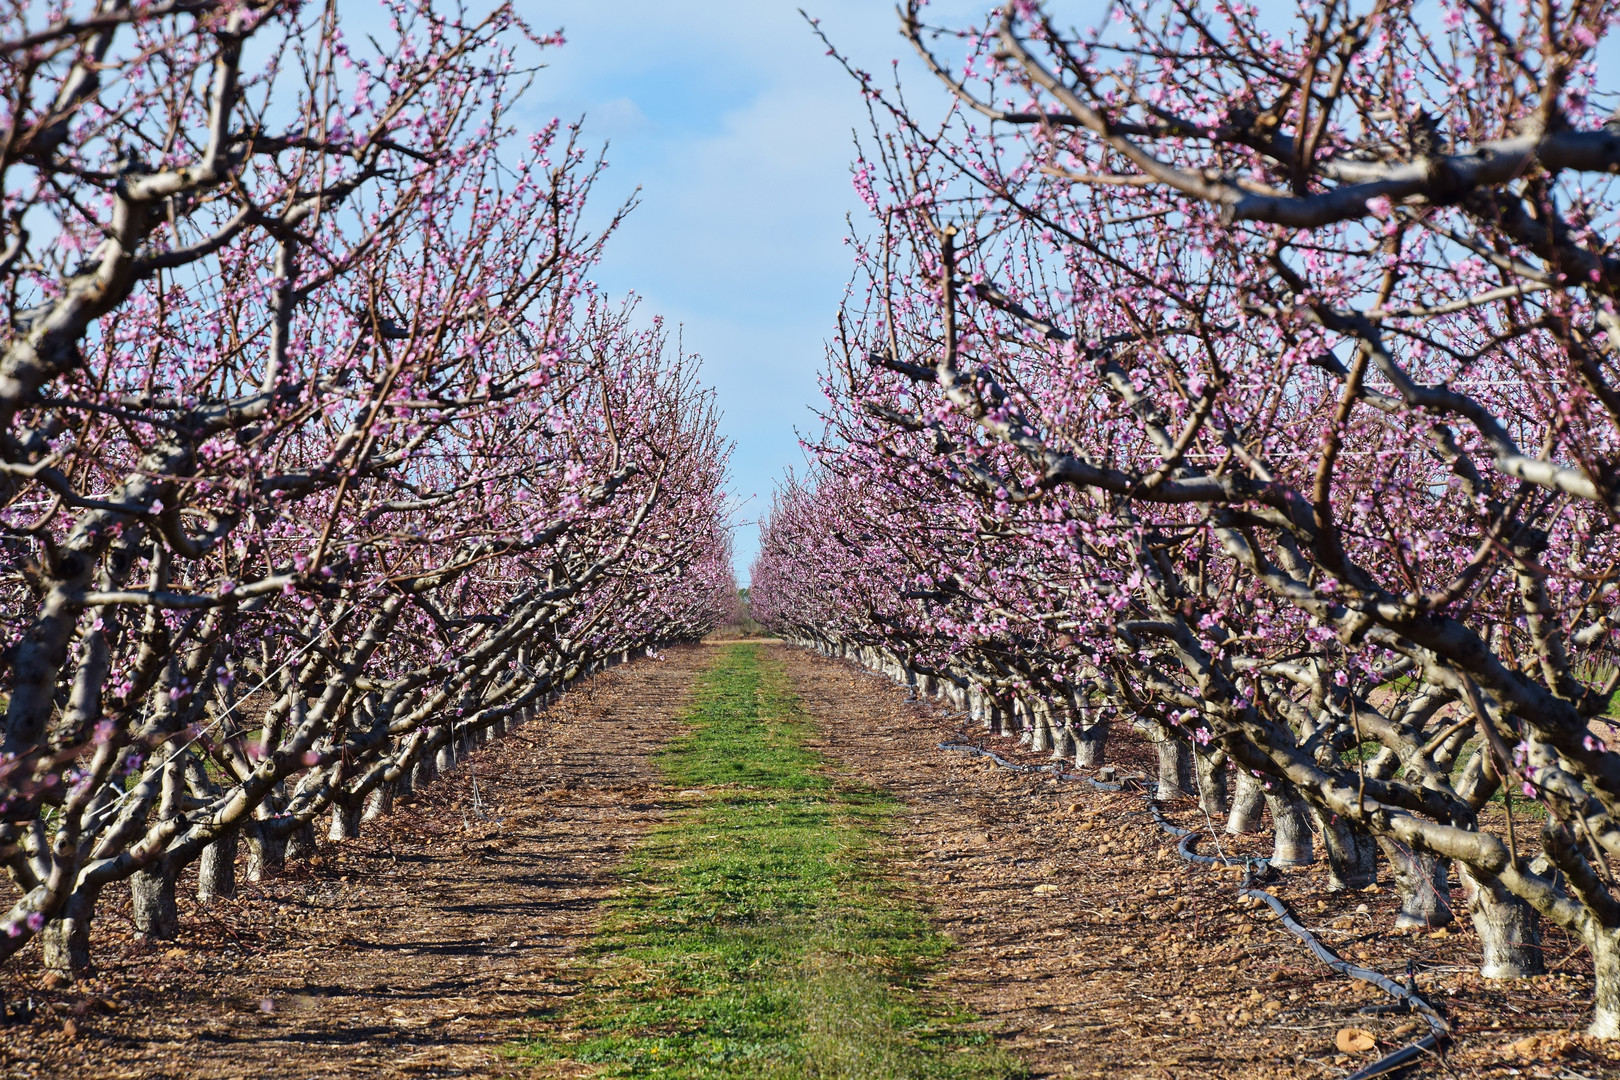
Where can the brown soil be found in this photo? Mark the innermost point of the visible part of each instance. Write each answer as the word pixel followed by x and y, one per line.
pixel 415 951
pixel 1130 961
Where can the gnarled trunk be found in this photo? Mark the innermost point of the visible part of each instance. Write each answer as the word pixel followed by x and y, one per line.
pixel 152 899
pixel 1420 883
pixel 65 940
pixel 422 770
pixel 1606 991
pixel 1248 804
pixel 1211 782
pixel 216 869
pixel 1291 832
pixel 1351 852
pixel 267 852
pixel 1175 770
pixel 1091 744
pixel 1509 929
pixel 1040 739
pixel 301 843
pixel 380 803
pixel 345 821
pixel 1063 746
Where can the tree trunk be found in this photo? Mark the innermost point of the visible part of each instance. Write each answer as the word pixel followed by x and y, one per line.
pixel 301 844
pixel 1065 745
pixel 152 899
pixel 345 821
pixel 65 941
pixel 1421 883
pixel 1352 854
pixel 216 869
pixel 1248 802
pixel 1606 993
pixel 267 854
pixel 380 803
pixel 1509 929
pixel 1040 738
pixel 1175 771
pixel 1291 845
pixel 1212 782
pixel 422 770
pixel 1091 745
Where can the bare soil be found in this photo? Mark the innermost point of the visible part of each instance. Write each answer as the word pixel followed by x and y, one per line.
pixel 1093 949
pixel 415 951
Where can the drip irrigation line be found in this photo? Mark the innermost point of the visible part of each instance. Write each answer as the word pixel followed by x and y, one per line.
pixel 1259 868
pixel 1055 768
pixel 1428 1046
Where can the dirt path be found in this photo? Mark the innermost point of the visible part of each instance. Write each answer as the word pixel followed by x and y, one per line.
pixel 455 938
pixel 1094 950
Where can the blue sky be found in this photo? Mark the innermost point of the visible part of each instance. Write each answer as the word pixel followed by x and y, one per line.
pixel 737 128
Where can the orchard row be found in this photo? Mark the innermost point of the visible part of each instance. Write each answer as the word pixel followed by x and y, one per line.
pixel 1254 383
pixel 321 459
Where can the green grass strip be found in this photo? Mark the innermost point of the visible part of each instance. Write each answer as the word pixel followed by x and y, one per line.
pixel 756 935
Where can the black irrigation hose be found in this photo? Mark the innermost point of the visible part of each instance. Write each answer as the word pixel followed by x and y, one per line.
pixel 1005 764
pixel 1259 867
pixel 1054 768
pixel 1439 1030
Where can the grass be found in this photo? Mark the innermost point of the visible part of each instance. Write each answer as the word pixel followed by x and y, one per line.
pixel 756 934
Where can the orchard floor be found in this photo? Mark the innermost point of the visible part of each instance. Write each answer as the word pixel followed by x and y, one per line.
pixel 1083 943
pixel 459 935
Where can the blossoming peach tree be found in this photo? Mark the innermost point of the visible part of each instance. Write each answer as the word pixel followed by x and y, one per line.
pixel 321 460
pixel 1255 378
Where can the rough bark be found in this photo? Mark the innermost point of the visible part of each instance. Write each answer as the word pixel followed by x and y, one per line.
pixel 267 853
pixel 380 803
pixel 1091 745
pixel 345 821
pixel 65 941
pixel 1040 739
pixel 216 869
pixel 1606 993
pixel 422 770
pixel 1248 803
pixel 1066 743
pixel 1421 883
pixel 1175 770
pixel 152 899
pixel 1352 853
pixel 1291 845
pixel 1509 929
pixel 301 844
pixel 1212 791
